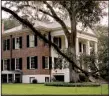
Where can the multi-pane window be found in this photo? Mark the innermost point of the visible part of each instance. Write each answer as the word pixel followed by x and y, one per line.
pixel 17 64
pixel 17 43
pixel 32 62
pixel 6 44
pixel 57 41
pixel 46 62
pixel 31 41
pixel 5 64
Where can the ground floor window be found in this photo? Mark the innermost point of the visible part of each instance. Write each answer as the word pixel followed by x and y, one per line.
pixel 46 79
pixel 59 78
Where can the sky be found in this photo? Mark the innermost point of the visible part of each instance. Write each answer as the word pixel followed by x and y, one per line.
pixel 104 20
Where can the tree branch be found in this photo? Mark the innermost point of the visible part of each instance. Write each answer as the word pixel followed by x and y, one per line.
pixel 30 26
pixel 58 19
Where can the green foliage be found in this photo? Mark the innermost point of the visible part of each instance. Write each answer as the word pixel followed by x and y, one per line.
pixel 103 57
pixel 63 84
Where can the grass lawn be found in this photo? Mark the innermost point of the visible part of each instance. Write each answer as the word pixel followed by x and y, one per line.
pixel 41 89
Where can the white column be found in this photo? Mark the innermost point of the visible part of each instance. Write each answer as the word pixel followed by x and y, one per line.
pixel 95 47
pixel 14 77
pixel 95 50
pixel 77 47
pixel 66 42
pixel 88 47
pixel 7 78
pixel 81 47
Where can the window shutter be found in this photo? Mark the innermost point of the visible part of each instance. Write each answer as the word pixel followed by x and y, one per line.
pixel 28 63
pixel 13 43
pixel 1 65
pixel 20 63
pixel 4 45
pixel 20 38
pixel 60 42
pixel 36 62
pixel 13 64
pixel 27 40
pixel 43 62
pixel 50 62
pixel 8 44
pixel 8 64
pixel 35 36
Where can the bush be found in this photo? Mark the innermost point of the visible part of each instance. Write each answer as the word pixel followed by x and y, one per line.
pixel 64 84
pixel 34 81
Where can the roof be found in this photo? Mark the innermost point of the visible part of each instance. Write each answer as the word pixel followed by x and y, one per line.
pixel 51 26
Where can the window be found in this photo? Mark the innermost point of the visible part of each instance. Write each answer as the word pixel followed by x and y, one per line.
pixel 5 64
pixel 17 43
pixel 32 62
pixel 46 79
pixel 17 64
pixel 6 44
pixel 31 40
pixel 46 62
pixel 57 41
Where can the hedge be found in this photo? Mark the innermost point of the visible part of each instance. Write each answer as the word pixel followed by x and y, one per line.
pixel 64 84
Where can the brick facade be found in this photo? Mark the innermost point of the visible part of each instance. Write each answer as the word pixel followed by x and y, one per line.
pixel 39 51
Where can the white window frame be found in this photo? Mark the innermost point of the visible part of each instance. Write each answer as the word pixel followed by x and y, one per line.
pixel 31 41
pixel 47 63
pixel 30 62
pixel 15 63
pixel 17 43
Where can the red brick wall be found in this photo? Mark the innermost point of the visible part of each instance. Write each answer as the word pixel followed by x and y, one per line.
pixel 40 50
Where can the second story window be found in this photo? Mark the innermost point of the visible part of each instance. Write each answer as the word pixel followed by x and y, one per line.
pixel 31 40
pixel 57 41
pixel 17 43
pixel 6 44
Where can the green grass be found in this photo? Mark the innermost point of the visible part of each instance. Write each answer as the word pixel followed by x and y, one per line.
pixel 41 89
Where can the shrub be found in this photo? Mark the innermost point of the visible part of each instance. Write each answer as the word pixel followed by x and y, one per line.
pixel 64 84
pixel 34 81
